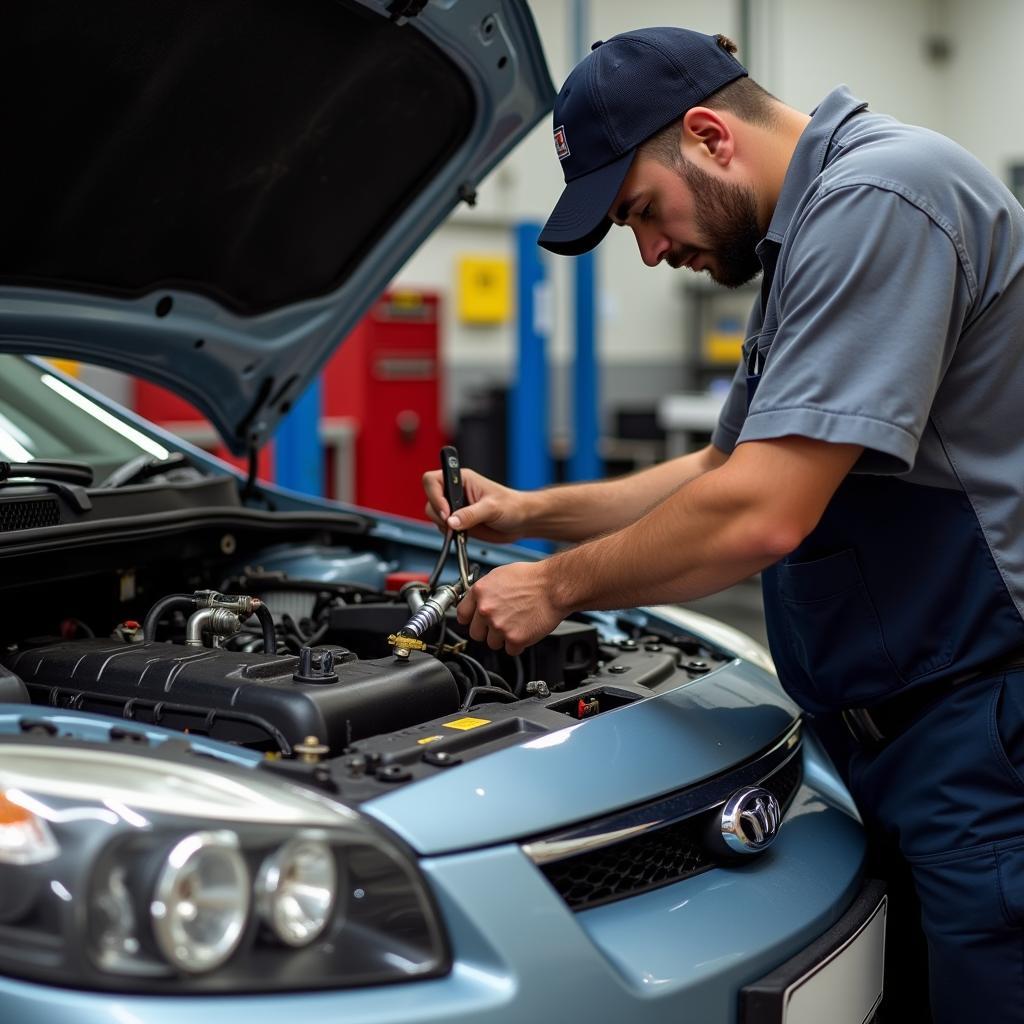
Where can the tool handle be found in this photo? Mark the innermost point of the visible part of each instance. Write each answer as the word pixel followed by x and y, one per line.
pixel 451 473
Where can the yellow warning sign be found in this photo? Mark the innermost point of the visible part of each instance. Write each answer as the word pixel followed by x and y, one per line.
pixel 429 739
pixel 484 289
pixel 466 723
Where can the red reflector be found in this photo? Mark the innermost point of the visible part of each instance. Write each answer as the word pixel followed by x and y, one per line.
pixel 396 580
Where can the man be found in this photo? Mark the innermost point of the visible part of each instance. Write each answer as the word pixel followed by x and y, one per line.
pixel 869 460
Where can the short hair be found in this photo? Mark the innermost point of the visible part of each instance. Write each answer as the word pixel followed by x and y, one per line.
pixel 742 97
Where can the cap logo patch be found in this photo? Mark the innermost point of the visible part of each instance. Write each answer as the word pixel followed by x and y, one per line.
pixel 561 146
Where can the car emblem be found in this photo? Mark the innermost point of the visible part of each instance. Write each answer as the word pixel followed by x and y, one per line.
pixel 750 820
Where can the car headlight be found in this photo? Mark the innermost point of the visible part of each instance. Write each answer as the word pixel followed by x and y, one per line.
pixel 297 889
pixel 201 901
pixel 161 871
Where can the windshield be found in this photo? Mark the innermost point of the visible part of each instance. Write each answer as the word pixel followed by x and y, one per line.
pixel 42 417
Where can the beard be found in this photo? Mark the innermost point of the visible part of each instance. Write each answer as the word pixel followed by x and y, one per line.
pixel 727 215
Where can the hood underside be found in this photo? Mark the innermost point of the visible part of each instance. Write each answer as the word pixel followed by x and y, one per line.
pixel 209 194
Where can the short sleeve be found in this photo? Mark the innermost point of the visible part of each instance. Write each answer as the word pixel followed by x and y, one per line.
pixel 734 411
pixel 871 300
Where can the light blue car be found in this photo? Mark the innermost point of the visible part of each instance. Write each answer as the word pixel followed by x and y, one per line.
pixel 226 790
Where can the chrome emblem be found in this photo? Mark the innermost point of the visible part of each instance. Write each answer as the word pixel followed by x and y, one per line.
pixel 750 820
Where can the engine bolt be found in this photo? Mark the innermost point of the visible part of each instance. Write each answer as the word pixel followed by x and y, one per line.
pixel 441 758
pixel 310 750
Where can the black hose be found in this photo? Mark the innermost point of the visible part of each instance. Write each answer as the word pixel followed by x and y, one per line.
pixel 461 681
pixel 269 635
pixel 165 604
pixel 487 691
pixel 435 573
pixel 478 671
pixel 497 681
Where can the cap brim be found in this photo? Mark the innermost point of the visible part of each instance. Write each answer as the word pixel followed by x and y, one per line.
pixel 580 217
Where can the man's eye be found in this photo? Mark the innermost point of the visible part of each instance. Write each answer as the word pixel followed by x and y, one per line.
pixel 645 213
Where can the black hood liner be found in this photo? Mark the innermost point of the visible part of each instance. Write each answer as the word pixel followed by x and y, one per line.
pixel 250 150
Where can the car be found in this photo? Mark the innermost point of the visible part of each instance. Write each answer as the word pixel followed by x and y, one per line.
pixel 229 787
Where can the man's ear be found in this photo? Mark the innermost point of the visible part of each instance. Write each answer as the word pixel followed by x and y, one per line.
pixel 706 130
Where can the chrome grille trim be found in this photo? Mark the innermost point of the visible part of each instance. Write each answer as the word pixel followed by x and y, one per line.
pixel 637 821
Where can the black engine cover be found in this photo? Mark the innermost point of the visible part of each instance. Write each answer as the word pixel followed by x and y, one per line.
pixel 249 699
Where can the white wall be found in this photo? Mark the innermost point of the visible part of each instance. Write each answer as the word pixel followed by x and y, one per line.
pixel 803 48
pixel 799 49
pixel 985 105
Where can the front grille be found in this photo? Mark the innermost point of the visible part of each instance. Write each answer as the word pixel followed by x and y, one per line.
pixel 28 514
pixel 661 856
pixel 632 867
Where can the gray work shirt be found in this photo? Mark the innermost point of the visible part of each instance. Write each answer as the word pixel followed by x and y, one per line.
pixel 895 319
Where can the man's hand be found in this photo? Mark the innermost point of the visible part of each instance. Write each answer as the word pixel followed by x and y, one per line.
pixel 511 607
pixel 492 512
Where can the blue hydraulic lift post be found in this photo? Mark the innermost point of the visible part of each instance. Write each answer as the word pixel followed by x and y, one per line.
pixel 529 457
pixel 298 450
pixel 585 460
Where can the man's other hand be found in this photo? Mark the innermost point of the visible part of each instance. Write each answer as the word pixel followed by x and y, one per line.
pixel 511 607
pixel 492 512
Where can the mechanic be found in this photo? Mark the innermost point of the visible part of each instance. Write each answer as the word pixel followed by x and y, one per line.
pixel 869 460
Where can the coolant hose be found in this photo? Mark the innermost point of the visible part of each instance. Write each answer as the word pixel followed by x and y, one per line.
pixel 165 604
pixel 481 693
pixel 269 633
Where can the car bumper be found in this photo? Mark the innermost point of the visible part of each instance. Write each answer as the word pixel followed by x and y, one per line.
pixel 682 952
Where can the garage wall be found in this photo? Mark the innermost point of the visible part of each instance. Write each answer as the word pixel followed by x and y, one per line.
pixel 799 49
pixel 985 105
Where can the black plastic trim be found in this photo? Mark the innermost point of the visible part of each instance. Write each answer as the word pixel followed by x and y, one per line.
pixel 763 1001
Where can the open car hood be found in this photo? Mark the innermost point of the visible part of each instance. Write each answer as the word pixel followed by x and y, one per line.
pixel 210 193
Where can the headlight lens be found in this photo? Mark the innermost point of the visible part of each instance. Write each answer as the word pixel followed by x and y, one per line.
pixel 297 889
pixel 157 871
pixel 201 901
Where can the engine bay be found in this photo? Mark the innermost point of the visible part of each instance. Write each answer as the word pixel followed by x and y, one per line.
pixel 293 654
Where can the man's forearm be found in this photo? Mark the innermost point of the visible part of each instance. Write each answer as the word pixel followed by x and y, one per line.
pixel 579 512
pixel 694 543
pixel 718 529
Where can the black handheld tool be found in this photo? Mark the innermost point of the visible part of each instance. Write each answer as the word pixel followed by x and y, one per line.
pixel 451 472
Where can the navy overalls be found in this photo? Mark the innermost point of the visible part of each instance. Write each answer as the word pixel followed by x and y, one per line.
pixel 897 592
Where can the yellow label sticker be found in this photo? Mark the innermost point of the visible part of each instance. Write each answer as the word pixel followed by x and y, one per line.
pixel 466 723
pixel 429 739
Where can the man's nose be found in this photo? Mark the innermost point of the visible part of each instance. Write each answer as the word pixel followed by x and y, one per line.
pixel 653 245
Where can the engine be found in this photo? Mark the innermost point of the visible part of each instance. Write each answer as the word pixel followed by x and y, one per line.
pixel 289 667
pixel 325 695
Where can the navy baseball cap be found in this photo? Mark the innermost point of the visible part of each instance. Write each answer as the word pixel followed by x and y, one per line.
pixel 617 97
